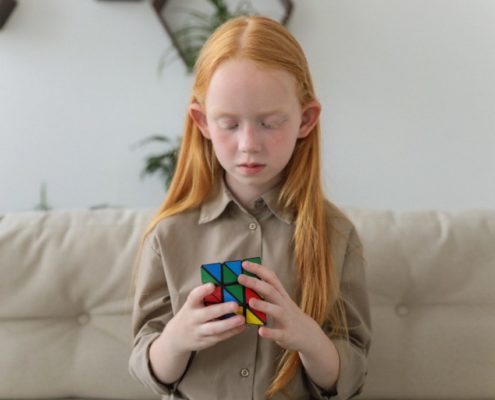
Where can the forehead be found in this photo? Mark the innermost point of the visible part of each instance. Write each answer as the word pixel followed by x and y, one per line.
pixel 241 85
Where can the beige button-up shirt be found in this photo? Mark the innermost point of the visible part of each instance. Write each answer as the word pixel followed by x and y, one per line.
pixel 243 366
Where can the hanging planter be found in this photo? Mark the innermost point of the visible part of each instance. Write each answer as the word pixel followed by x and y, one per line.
pixel 6 8
pixel 189 37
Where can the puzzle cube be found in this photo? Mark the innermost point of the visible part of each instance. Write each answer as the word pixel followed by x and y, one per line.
pixel 224 276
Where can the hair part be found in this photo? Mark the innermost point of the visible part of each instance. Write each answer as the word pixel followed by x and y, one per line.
pixel 198 172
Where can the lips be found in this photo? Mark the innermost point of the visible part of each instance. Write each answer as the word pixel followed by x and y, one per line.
pixel 251 165
pixel 251 168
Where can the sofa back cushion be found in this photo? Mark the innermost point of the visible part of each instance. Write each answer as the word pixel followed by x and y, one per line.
pixel 65 303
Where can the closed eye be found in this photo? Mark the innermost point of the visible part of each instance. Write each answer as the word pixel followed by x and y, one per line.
pixel 272 123
pixel 228 124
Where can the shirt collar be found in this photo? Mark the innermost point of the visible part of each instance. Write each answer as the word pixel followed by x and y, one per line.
pixel 213 207
pixel 271 199
pixel 217 204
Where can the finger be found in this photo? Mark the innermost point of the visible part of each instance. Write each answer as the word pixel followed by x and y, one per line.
pixel 215 311
pixel 196 296
pixel 276 335
pixel 261 287
pixel 225 335
pixel 231 332
pixel 265 307
pixel 265 274
pixel 219 327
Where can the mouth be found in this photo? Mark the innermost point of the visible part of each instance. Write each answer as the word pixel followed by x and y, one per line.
pixel 251 168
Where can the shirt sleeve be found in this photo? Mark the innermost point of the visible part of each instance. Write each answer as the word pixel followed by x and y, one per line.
pixel 151 311
pixel 353 353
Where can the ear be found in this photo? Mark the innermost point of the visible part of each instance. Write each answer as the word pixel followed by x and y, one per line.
pixel 198 115
pixel 310 117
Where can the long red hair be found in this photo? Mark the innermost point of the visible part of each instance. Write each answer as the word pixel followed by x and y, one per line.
pixel 198 171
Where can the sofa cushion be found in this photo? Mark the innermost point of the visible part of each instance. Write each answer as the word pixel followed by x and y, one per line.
pixel 65 303
pixel 431 279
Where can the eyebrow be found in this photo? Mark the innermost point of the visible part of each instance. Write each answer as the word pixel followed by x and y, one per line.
pixel 221 114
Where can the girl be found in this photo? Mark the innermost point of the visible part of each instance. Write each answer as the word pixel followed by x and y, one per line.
pixel 247 184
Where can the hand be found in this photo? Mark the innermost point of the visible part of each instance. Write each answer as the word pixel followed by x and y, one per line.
pixel 291 328
pixel 196 326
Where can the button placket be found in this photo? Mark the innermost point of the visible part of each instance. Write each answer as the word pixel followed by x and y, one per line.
pixel 246 369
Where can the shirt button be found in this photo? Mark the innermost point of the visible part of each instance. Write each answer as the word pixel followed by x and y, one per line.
pixel 244 372
pixel 252 226
pixel 402 310
pixel 83 319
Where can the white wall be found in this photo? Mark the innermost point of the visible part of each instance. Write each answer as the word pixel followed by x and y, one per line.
pixel 407 88
pixel 79 86
pixel 409 94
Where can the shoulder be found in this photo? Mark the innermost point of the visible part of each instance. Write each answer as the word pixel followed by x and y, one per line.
pixel 342 230
pixel 173 227
pixel 346 247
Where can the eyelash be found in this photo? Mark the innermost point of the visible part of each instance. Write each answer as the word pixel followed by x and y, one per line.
pixel 263 125
pixel 267 126
pixel 231 127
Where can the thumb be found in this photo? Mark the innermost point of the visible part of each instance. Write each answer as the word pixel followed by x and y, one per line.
pixel 197 295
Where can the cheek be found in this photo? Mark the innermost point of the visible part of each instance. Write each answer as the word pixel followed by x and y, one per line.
pixel 222 144
pixel 283 144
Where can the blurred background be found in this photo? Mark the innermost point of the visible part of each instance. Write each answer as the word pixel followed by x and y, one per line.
pixel 407 89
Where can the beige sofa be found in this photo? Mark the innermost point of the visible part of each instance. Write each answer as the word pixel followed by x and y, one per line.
pixel 65 304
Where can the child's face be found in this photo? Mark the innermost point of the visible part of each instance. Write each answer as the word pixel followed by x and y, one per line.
pixel 253 118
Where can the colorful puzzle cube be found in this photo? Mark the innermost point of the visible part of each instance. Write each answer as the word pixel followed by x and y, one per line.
pixel 224 276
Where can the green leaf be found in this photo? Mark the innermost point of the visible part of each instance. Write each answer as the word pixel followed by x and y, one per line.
pixel 163 163
pixel 187 30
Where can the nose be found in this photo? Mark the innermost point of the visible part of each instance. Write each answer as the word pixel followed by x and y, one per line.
pixel 249 139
